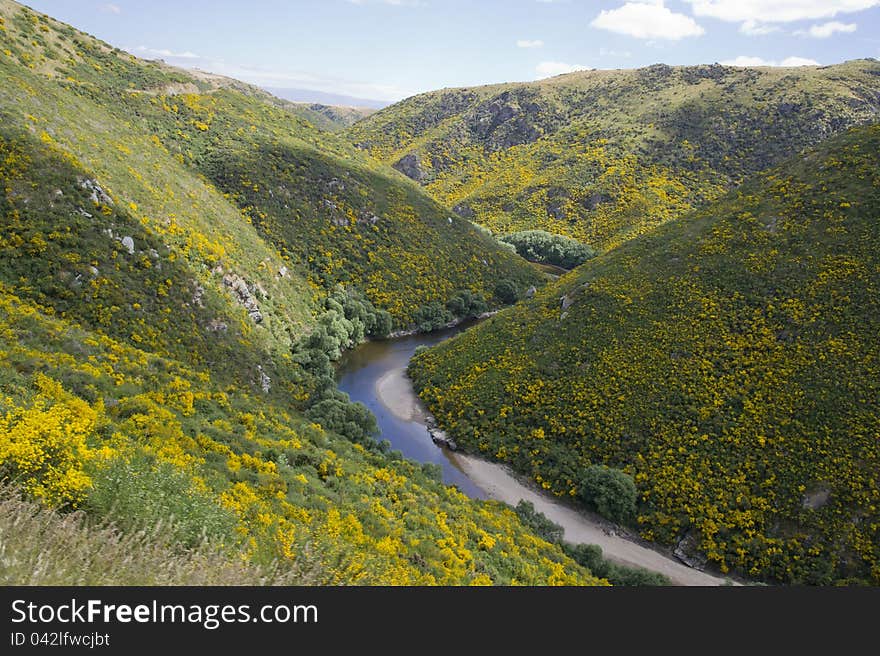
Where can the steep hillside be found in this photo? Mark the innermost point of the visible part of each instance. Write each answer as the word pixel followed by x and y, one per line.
pixel 330 117
pixel 728 362
pixel 176 150
pixel 604 156
pixel 170 252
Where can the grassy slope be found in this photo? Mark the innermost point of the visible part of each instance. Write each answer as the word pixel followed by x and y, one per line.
pixel 110 358
pixel 330 117
pixel 728 361
pixel 604 156
pixel 314 204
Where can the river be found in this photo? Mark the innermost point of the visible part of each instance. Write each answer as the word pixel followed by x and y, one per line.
pixel 359 373
pixel 374 374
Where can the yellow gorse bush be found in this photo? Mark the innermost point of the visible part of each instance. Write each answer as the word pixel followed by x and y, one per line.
pixel 43 447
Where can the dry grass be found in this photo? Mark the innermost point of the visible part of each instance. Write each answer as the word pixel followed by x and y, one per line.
pixel 39 546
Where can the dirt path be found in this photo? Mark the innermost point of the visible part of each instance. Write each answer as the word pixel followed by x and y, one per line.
pixel 394 390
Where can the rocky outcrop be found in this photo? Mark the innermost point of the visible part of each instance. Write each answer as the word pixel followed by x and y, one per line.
pixel 687 552
pixel 265 381
pixel 97 193
pixel 410 166
pixel 464 211
pixel 439 437
pixel 244 295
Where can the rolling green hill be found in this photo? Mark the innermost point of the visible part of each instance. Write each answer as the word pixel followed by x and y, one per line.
pixel 171 250
pixel 604 156
pixel 727 361
pixel 330 117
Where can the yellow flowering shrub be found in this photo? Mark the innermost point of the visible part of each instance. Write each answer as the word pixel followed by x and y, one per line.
pixel 43 446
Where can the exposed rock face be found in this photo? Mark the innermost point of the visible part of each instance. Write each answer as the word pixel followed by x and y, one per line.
pixel 439 437
pixel 593 201
pixel 686 552
pixel 410 166
pixel 265 381
pixel 98 195
pixel 464 211
pixel 510 119
pixel 244 296
pixel 816 499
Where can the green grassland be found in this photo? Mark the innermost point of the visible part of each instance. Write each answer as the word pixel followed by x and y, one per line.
pixel 604 156
pixel 727 361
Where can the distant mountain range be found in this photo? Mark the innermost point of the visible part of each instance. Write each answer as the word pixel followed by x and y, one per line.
pixel 325 98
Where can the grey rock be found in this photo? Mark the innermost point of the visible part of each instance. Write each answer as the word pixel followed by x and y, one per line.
pixel 440 438
pixel 410 166
pixel 464 211
pixel 816 499
pixel 265 381
pixel 686 552
pixel 283 271
pixel 217 326
pixel 531 291
pixel 96 193
pixel 128 244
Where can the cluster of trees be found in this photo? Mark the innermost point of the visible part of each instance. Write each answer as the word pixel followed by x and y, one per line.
pixel 349 319
pixel 548 248
pixel 464 304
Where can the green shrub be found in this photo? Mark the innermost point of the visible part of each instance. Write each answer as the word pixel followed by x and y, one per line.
pixel 590 556
pixel 467 305
pixel 507 292
pixel 340 415
pixel 432 316
pixel 611 492
pixel 538 522
pixel 549 248
pixel 140 492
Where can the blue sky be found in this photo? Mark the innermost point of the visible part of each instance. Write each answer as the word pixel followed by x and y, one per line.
pixel 390 49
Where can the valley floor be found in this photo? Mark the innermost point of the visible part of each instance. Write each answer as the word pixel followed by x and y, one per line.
pixel 394 390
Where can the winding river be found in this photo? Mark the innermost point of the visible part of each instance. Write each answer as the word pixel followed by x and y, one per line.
pixel 377 367
pixel 375 375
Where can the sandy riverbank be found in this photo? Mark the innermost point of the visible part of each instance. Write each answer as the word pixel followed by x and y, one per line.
pixel 394 391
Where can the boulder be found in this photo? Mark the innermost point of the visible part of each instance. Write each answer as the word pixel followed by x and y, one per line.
pixel 410 166
pixel 686 551
pixel 128 244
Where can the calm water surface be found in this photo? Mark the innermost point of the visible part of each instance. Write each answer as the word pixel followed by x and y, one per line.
pixel 358 372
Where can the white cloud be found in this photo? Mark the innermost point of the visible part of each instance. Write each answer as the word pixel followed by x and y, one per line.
pixel 754 28
pixel 825 30
pixel 649 19
pixel 551 68
pixel 529 43
pixel 745 61
pixel 111 8
pixel 777 11
pixel 798 61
